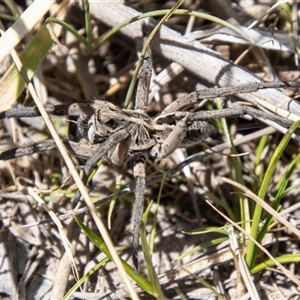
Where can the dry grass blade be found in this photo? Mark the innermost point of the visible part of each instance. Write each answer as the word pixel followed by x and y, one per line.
pixel 241 266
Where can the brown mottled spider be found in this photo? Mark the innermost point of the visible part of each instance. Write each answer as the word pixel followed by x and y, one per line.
pixel 117 133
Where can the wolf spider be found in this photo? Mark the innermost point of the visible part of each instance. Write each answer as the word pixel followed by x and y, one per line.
pixel 117 133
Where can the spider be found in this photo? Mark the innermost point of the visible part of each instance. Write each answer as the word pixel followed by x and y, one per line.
pixel 117 133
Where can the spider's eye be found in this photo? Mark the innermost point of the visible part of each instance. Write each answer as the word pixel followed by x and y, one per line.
pixel 111 123
pixel 172 122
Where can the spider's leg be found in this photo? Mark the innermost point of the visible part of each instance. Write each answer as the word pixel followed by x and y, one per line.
pixel 112 141
pixel 139 173
pixel 172 141
pixel 75 110
pixel 75 149
pixel 28 150
pixel 139 167
pixel 21 111
pixel 267 115
pixel 187 101
pixel 142 92
pixel 237 110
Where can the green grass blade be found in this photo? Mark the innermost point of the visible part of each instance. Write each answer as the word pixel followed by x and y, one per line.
pixel 255 233
pixel 148 261
pixel 284 259
pixel 88 27
pixel 84 278
pixel 283 183
pixel 141 281
pixel 153 231
pixel 69 28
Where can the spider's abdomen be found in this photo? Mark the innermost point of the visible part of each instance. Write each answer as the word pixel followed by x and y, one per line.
pixel 196 133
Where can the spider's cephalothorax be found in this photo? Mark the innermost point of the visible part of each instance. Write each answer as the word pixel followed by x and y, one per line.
pixel 108 120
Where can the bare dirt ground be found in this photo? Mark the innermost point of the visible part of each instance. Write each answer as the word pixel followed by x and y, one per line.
pixel 33 260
